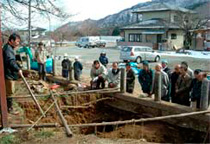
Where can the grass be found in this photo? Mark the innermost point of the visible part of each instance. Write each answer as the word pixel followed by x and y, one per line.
pixel 9 139
pixel 44 134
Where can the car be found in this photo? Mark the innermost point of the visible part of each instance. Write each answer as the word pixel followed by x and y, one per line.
pixel 101 43
pixel 87 42
pixel 139 54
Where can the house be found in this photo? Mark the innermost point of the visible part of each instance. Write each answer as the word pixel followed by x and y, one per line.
pixel 35 33
pixel 157 27
pixel 201 38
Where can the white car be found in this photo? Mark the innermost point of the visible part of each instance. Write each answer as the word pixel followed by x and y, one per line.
pixel 139 54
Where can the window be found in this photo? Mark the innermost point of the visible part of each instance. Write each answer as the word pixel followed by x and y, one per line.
pixel 127 49
pixel 135 37
pixel 173 36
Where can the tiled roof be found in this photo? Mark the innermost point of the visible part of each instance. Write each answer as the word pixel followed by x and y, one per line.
pixel 162 7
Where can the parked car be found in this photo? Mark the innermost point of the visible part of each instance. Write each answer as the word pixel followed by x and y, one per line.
pixel 101 43
pixel 87 42
pixel 139 54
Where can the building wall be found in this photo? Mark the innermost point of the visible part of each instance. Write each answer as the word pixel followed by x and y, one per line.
pixel 178 42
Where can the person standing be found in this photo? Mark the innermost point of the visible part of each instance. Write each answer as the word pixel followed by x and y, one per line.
pixel 40 55
pixel 77 69
pixel 174 78
pixel 165 68
pixel 195 88
pixel 103 59
pixel 164 83
pixel 182 91
pixel 66 66
pixel 98 74
pixel 11 68
pixel 146 77
pixel 130 79
pixel 113 76
pixel 189 70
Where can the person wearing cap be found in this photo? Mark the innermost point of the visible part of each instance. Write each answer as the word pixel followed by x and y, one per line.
pixel 66 66
pixel 182 90
pixel 77 69
pixel 195 88
pixel 165 68
pixel 164 82
pixel 146 77
pixel 130 78
pixel 98 75
pixel 174 78
pixel 103 59
pixel 40 56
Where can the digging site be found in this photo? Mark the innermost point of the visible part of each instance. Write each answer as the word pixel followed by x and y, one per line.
pixel 97 116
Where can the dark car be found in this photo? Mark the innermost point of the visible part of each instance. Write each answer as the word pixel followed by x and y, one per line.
pixel 101 43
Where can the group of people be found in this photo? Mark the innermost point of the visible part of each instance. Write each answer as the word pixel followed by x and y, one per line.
pixel 181 85
pixel 100 75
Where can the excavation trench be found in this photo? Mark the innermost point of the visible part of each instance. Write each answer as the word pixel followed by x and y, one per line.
pixel 93 108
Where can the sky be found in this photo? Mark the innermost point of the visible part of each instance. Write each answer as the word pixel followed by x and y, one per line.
pixel 96 9
pixel 80 9
pixel 93 9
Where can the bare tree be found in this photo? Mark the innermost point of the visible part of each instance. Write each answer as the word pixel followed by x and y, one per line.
pixel 188 22
pixel 15 12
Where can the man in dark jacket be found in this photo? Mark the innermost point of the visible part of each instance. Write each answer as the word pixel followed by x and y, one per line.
pixel 103 59
pixel 195 88
pixel 66 66
pixel 146 77
pixel 77 69
pixel 130 79
pixel 11 68
pixel 174 78
pixel 182 91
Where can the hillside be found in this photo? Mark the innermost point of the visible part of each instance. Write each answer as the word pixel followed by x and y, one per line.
pixel 106 25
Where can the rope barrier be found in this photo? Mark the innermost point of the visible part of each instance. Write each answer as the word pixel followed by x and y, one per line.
pixel 140 120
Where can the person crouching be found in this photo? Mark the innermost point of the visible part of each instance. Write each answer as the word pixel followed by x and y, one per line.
pixel 113 76
pixel 98 74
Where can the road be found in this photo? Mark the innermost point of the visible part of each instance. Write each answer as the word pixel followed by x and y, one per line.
pixel 87 56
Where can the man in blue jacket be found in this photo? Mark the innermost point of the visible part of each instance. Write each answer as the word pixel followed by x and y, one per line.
pixel 11 68
pixel 103 59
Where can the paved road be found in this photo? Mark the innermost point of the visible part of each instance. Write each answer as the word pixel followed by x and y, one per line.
pixel 87 56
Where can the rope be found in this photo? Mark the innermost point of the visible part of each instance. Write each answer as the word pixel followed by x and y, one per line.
pixel 141 120
pixel 87 105
pixel 101 91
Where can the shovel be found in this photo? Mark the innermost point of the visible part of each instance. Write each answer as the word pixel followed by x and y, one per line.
pixel 33 96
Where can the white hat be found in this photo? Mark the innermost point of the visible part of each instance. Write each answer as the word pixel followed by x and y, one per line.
pixel 65 54
pixel 76 57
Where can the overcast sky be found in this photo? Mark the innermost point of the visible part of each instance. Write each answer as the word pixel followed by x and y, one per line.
pixel 96 9
pixel 93 9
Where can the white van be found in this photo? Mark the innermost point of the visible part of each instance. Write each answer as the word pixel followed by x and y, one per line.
pixel 87 42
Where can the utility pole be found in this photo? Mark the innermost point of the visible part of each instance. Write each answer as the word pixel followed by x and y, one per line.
pixel 3 100
pixel 29 23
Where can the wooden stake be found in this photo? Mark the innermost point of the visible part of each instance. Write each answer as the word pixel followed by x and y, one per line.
pixel 33 96
pixel 123 80
pixel 68 131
